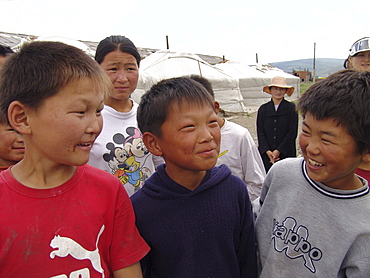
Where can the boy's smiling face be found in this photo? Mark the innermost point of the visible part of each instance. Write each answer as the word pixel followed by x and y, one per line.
pixel 11 145
pixel 190 138
pixel 330 153
pixel 66 125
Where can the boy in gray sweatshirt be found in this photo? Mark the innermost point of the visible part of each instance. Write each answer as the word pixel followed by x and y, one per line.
pixel 314 215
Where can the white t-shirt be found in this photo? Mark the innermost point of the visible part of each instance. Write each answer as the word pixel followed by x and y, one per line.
pixel 120 150
pixel 239 152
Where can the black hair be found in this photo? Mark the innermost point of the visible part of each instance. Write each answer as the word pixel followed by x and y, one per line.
pixel 204 82
pixel 344 97
pixel 113 43
pixel 40 69
pixel 154 105
pixel 5 50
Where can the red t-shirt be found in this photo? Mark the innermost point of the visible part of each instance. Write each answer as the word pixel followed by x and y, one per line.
pixel 82 228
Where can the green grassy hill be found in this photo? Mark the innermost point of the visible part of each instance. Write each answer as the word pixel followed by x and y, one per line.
pixel 324 66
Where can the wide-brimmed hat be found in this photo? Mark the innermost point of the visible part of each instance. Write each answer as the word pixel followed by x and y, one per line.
pixel 279 81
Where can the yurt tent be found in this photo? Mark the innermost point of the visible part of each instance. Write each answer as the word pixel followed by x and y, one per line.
pixel 165 64
pixel 72 42
pixel 253 78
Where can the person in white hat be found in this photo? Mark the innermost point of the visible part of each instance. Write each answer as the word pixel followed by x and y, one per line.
pixel 359 60
pixel 359 55
pixel 277 124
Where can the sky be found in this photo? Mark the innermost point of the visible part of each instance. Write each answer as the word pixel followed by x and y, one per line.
pixel 239 30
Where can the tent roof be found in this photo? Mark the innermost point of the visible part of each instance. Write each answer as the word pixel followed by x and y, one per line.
pixel 166 64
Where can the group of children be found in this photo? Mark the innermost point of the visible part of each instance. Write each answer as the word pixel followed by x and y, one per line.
pixel 63 218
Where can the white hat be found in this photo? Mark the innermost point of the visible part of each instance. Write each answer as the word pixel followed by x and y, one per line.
pixel 360 45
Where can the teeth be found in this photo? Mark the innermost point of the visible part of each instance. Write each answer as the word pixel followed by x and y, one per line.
pixel 84 144
pixel 314 163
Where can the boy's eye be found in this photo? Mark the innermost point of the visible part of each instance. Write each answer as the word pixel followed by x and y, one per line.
pixel 326 141
pixel 79 112
pixel 305 132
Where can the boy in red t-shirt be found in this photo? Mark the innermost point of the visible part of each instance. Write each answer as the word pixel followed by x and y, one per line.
pixel 60 217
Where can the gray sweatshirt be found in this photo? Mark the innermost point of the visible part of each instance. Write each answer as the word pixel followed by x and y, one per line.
pixel 306 229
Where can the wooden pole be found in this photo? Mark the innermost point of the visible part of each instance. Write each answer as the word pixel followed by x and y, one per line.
pixel 168 45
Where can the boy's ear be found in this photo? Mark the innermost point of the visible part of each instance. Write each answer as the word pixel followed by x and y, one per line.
pixel 151 143
pixel 366 157
pixel 18 117
pixel 216 107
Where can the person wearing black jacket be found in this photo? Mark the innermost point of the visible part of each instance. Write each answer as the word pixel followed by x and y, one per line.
pixel 277 124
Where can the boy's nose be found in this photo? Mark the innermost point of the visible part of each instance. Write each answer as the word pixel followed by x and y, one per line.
pixel 313 147
pixel 206 135
pixel 95 126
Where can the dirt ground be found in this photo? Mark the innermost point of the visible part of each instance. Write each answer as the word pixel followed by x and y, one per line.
pixel 248 120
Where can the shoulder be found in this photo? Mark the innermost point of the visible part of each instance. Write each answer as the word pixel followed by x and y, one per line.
pixel 264 106
pixel 234 128
pixel 288 162
pixel 223 175
pixel 289 104
pixel 289 167
pixel 99 177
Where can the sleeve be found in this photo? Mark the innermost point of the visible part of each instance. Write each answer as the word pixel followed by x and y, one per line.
pixel 263 145
pixel 286 145
pixel 127 247
pixel 253 170
pixel 266 184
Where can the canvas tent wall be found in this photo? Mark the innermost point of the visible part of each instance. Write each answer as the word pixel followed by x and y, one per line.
pixel 166 64
pixel 252 79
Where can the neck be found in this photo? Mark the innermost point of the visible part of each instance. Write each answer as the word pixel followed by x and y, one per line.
pixel 277 101
pixel 220 121
pixel 37 174
pixel 364 165
pixel 188 179
pixel 124 105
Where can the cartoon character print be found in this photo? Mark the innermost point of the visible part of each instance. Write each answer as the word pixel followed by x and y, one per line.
pixel 122 160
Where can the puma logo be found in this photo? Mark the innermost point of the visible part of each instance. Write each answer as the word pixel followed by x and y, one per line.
pixel 66 246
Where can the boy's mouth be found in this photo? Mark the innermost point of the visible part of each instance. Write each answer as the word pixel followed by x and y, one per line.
pixel 85 144
pixel 314 163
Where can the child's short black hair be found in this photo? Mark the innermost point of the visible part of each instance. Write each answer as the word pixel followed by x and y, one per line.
pixel 5 50
pixel 204 82
pixel 345 97
pixel 155 103
pixel 40 69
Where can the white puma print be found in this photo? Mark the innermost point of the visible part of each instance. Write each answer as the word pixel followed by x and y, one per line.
pixel 67 246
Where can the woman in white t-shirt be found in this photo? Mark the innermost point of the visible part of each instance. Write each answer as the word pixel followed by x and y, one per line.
pixel 119 149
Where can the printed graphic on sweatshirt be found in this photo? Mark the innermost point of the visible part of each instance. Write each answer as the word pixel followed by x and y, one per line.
pixel 65 246
pixel 293 240
pixel 126 158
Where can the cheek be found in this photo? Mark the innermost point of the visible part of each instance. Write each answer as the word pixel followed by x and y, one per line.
pixel 133 78
pixel 112 76
pixel 302 142
pixel 217 137
pixel 100 122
